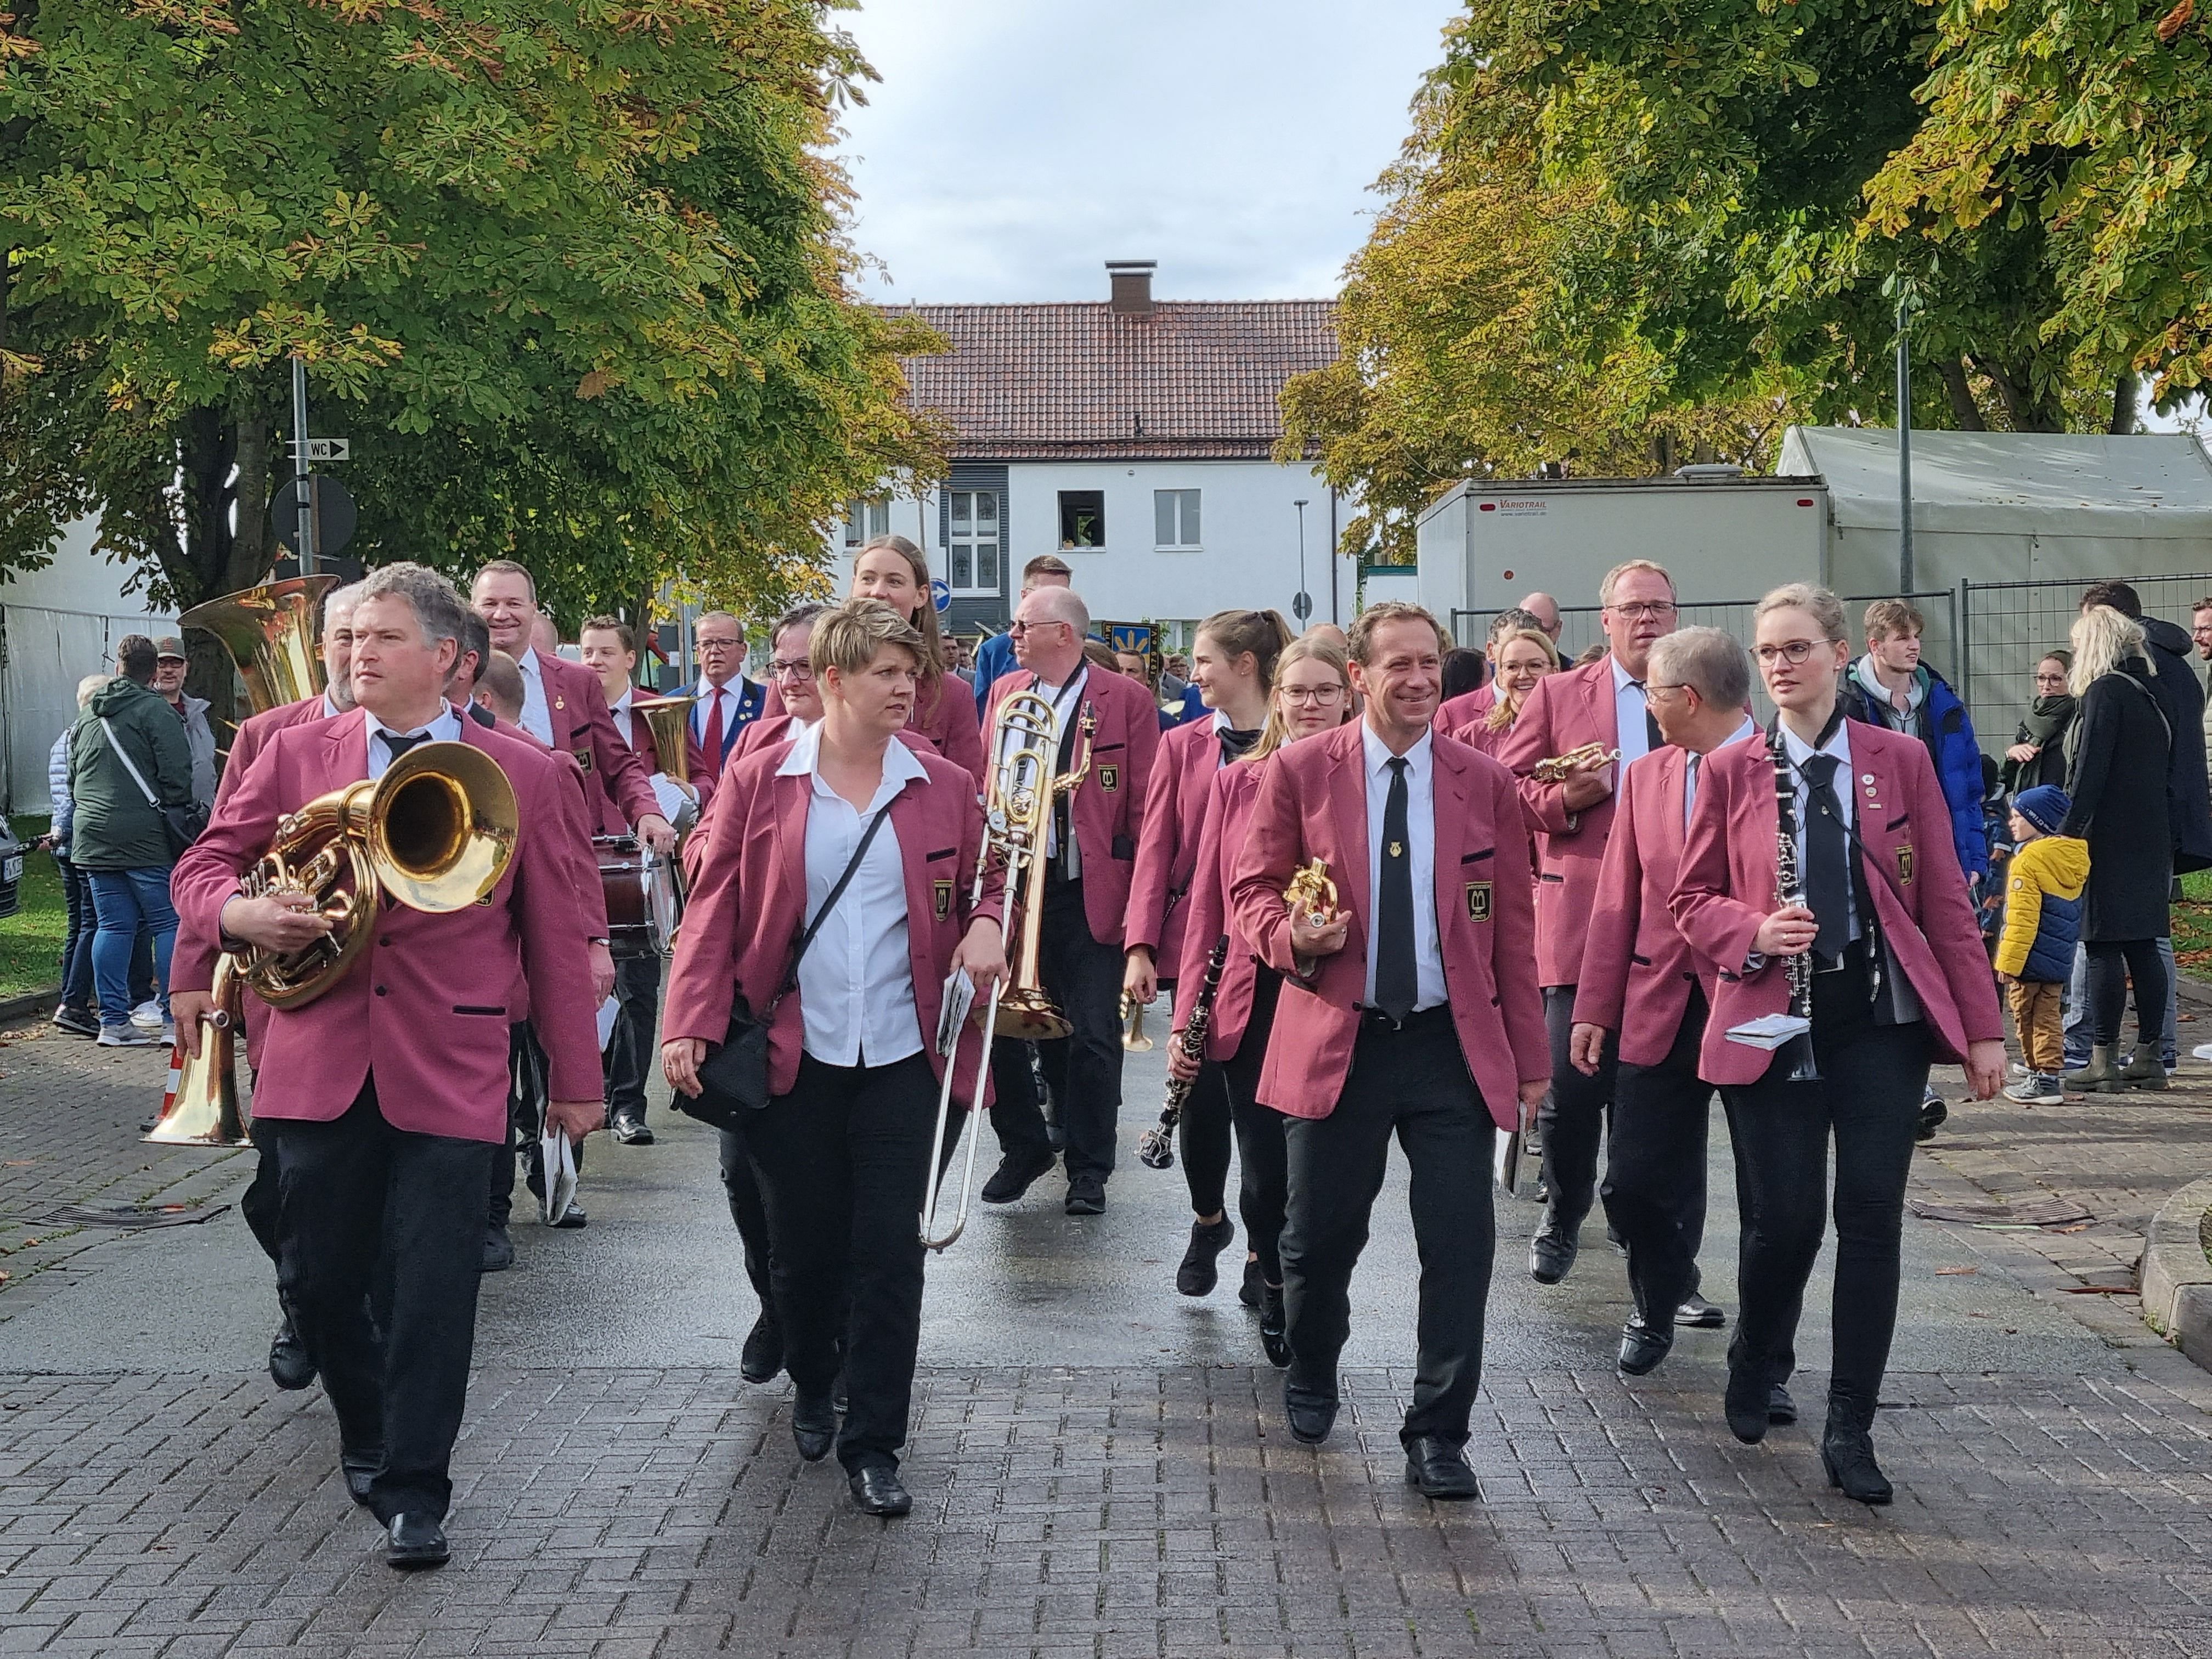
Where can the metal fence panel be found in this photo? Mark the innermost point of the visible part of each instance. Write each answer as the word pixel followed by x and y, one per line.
pixel 43 654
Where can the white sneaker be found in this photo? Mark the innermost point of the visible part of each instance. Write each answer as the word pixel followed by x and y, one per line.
pixel 128 1036
pixel 149 1017
pixel 2016 1070
pixel 2034 1090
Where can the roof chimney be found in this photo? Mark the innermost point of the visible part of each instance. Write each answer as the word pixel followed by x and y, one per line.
pixel 1131 280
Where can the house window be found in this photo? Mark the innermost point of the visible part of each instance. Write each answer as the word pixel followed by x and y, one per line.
pixel 972 542
pixel 1174 519
pixel 866 520
pixel 1082 518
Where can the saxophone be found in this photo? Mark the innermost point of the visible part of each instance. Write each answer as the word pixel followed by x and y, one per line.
pixel 1155 1147
pixel 1789 891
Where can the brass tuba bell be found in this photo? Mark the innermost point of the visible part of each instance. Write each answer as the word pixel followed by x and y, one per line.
pixel 435 833
pixel 269 632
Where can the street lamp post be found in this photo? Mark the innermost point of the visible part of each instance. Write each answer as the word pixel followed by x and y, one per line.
pixel 1302 607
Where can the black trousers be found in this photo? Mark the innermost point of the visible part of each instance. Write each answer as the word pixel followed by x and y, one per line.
pixel 1573 1114
pixel 2111 964
pixel 631 1051
pixel 749 1212
pixel 1205 1132
pixel 1869 1100
pixel 1083 1069
pixel 354 1196
pixel 1263 1187
pixel 1414 1082
pixel 842 1160
pixel 1655 1172
pixel 256 1205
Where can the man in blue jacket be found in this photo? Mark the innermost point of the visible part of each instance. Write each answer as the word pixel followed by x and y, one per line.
pixel 1891 686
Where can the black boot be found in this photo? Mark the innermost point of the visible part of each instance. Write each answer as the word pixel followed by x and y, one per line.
pixel 288 1365
pixel 1197 1275
pixel 1847 1453
pixel 1274 1326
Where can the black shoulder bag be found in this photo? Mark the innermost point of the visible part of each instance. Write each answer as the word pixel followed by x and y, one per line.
pixel 734 1079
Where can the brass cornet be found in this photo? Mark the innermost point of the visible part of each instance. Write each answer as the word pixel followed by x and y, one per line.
pixel 1312 891
pixel 1575 760
pixel 1133 1017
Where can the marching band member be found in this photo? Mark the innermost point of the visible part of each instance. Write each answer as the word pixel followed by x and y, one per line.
pixel 790 678
pixel 562 706
pixel 1899 978
pixel 1312 694
pixel 1524 656
pixel 846 1141
pixel 1090 854
pixel 1232 667
pixel 893 569
pixel 1601 703
pixel 381 1101
pixel 1640 989
pixel 1432 1003
pixel 1455 714
pixel 727 701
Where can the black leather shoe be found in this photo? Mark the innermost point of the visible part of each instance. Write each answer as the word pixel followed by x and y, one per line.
pixel 1780 1407
pixel 630 1130
pixel 414 1539
pixel 762 1357
pixel 1198 1274
pixel 1699 1313
pixel 1933 1114
pixel 1087 1195
pixel 1746 1403
pixel 1274 1326
pixel 573 1216
pixel 1439 1469
pixel 1642 1346
pixel 1847 1454
pixel 498 1251
pixel 1014 1176
pixel 1552 1251
pixel 878 1491
pixel 1255 1282
pixel 1311 1415
pixel 288 1365
pixel 813 1426
pixel 360 1470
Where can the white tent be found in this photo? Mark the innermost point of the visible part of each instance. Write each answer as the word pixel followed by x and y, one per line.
pixel 2008 507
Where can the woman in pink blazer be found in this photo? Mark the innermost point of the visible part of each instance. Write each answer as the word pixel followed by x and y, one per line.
pixel 893 569
pixel 1899 979
pixel 847 1141
pixel 1524 655
pixel 1312 693
pixel 1233 665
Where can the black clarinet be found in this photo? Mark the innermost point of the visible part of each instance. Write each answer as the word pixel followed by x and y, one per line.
pixel 1155 1147
pixel 1789 890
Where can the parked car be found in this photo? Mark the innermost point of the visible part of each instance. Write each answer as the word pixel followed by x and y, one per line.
pixel 11 871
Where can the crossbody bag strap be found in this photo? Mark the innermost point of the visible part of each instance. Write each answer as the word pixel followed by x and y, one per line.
pixel 115 746
pixel 851 869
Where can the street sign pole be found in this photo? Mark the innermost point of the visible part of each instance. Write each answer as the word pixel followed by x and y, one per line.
pixel 306 544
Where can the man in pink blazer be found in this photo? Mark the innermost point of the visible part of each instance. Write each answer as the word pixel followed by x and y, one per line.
pixel 381 1101
pixel 1093 854
pixel 1603 703
pixel 1640 986
pixel 1420 983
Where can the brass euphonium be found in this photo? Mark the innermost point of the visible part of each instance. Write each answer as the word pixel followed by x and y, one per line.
pixel 668 719
pixel 435 833
pixel 269 632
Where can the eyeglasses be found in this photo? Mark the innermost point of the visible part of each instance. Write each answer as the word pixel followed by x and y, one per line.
pixel 1645 610
pixel 1021 627
pixel 717 645
pixel 1314 694
pixel 2050 679
pixel 1653 688
pixel 1795 651
pixel 799 670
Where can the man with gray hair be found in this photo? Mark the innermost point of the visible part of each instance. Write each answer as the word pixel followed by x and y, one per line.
pixel 1640 985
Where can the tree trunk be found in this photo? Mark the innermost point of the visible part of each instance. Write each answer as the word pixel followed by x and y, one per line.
pixel 218 557
pixel 1964 409
pixel 2124 392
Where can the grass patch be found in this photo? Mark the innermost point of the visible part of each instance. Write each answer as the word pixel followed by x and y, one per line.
pixel 2192 922
pixel 31 939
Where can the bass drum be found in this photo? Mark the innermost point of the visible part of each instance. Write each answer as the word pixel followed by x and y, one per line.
pixel 644 895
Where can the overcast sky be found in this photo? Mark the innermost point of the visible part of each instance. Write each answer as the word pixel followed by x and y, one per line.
pixel 1014 146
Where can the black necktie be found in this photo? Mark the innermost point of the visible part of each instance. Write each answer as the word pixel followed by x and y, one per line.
pixel 1397 981
pixel 399 745
pixel 1827 874
pixel 1653 742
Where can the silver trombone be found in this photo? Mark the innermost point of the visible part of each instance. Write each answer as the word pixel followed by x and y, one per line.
pixel 1024 741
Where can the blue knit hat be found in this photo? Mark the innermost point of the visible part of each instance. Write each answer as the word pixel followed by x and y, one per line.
pixel 2045 806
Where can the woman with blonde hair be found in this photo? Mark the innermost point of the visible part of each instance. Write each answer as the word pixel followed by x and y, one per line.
pixel 1312 692
pixel 1523 657
pixel 2116 769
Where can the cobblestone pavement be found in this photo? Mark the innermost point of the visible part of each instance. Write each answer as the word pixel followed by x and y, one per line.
pixel 158 1497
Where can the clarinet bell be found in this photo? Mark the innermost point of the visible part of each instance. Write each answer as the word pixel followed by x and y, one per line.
pixel 1155 1147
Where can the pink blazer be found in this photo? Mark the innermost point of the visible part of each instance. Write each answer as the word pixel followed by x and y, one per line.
pixel 583 726
pixel 1229 799
pixel 748 906
pixel 440 1056
pixel 639 741
pixel 758 735
pixel 1167 845
pixel 1727 888
pixel 950 725
pixel 1460 714
pixel 1637 967
pixel 1566 710
pixel 1110 803
pixel 1312 803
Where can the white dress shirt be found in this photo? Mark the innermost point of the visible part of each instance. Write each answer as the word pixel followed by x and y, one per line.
pixel 1799 751
pixel 1632 732
pixel 731 698
pixel 856 979
pixel 1748 729
pixel 330 710
pixel 536 712
pixel 1421 851
pixel 446 728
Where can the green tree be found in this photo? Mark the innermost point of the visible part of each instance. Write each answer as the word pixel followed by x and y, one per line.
pixel 573 270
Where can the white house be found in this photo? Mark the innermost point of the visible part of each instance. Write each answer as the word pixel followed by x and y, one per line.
pixel 1132 437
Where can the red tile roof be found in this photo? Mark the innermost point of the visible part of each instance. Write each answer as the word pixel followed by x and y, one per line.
pixel 1190 380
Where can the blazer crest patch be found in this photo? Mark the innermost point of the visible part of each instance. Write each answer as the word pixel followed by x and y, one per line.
pixel 942 892
pixel 1109 777
pixel 1904 864
pixel 583 756
pixel 1478 900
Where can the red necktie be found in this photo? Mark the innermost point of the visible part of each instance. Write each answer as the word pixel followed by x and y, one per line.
pixel 714 743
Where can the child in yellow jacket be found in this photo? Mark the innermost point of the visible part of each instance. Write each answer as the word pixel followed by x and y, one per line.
pixel 2041 924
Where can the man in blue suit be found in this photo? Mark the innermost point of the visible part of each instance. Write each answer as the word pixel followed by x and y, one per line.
pixel 728 701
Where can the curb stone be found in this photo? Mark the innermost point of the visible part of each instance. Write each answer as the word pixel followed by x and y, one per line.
pixel 2177 1279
